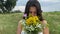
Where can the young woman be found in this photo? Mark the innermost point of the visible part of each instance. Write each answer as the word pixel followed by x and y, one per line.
pixel 34 8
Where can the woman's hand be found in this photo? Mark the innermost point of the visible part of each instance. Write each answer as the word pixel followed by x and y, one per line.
pixel 45 29
pixel 19 29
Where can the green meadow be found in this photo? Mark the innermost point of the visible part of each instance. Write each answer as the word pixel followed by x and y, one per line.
pixel 9 22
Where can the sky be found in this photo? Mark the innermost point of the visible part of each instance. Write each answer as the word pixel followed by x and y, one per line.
pixel 46 5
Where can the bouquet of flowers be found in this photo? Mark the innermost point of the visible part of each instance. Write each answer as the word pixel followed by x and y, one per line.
pixel 32 25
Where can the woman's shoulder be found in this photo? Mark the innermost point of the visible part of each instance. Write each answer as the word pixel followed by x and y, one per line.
pixel 44 21
pixel 21 20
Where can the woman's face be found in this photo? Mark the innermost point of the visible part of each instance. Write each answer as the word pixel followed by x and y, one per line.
pixel 33 10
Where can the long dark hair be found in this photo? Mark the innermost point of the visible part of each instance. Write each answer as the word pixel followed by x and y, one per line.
pixel 37 5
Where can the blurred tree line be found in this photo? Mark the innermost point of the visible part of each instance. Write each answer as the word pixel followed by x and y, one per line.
pixel 16 11
pixel 7 5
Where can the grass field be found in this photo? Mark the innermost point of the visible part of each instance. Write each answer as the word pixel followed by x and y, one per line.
pixel 9 22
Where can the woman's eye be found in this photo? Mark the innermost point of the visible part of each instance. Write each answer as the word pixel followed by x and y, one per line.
pixel 30 12
pixel 34 12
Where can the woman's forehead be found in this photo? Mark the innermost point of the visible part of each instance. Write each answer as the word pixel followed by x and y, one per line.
pixel 32 7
